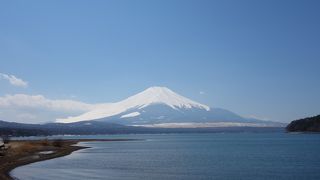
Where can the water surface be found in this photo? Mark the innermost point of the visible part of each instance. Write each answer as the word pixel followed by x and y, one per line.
pixel 187 157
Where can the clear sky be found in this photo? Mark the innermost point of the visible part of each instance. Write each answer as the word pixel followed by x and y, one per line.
pixel 256 58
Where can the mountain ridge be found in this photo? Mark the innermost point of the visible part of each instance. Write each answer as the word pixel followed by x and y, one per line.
pixel 159 105
pixel 152 95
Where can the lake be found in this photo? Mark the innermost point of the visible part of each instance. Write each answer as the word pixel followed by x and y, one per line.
pixel 248 156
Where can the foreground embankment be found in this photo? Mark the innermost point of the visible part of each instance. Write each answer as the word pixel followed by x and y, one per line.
pixel 25 152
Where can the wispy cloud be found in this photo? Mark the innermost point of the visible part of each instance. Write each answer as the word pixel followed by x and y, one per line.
pixel 39 109
pixel 39 101
pixel 259 117
pixel 201 92
pixel 13 80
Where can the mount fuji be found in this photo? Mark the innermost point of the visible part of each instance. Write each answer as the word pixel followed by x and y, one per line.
pixel 161 107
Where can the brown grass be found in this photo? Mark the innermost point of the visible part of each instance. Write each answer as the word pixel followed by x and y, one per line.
pixel 23 152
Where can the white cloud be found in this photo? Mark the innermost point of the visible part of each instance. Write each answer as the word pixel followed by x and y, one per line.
pixel 39 101
pixel 258 117
pixel 201 93
pixel 27 116
pixel 39 109
pixel 13 80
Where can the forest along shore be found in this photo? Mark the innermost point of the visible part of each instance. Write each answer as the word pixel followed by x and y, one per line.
pixel 22 152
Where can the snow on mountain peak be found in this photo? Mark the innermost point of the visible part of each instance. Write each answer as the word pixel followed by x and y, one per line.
pixel 150 96
pixel 163 95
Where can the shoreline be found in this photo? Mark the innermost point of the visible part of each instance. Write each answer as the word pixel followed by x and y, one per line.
pixel 23 152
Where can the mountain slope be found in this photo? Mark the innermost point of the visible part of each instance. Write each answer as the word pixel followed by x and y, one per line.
pixel 160 105
pixel 151 96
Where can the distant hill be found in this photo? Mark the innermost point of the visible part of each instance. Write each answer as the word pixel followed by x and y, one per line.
pixel 99 127
pixel 78 128
pixel 310 124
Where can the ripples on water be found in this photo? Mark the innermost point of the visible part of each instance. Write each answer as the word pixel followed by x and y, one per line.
pixel 187 157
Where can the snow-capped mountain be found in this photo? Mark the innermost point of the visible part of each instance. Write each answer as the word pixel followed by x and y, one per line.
pixel 161 107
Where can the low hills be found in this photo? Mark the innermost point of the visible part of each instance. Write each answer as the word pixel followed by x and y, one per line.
pixel 310 124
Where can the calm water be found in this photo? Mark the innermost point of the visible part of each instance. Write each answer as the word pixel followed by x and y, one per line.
pixel 188 156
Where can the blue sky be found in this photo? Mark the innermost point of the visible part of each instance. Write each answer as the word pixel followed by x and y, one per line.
pixel 258 59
